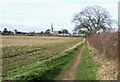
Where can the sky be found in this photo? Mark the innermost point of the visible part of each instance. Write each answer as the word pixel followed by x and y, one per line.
pixel 37 15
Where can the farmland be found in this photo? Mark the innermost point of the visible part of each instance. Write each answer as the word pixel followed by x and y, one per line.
pixel 57 58
pixel 24 56
pixel 33 40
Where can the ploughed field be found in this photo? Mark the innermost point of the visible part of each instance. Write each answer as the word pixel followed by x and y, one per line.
pixel 29 57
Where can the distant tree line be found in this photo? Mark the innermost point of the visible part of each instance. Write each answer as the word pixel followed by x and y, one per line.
pixel 47 32
pixel 6 32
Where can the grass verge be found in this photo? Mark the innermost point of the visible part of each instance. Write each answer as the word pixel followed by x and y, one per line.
pixel 88 67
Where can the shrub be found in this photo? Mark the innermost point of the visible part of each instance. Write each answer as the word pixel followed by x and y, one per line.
pixel 106 43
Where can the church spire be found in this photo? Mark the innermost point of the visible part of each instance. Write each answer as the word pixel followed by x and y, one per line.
pixel 51 27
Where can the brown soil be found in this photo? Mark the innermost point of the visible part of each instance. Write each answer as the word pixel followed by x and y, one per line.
pixel 33 40
pixel 71 73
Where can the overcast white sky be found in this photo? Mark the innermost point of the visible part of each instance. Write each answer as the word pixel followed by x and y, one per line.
pixel 37 15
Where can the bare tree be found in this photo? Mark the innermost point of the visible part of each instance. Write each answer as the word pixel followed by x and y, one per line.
pixel 93 18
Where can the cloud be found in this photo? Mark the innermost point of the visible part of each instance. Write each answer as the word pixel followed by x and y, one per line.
pixel 29 1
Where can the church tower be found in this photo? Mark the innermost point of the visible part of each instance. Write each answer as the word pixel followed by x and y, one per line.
pixel 51 31
pixel 52 27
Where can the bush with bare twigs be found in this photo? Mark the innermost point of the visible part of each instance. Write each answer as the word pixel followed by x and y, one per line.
pixel 106 43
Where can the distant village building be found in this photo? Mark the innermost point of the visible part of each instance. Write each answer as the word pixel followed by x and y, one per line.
pixel 0 32
pixel 52 31
pixel 15 32
pixel 63 32
pixel 81 32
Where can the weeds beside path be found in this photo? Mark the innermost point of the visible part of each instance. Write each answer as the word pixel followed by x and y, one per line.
pixel 88 67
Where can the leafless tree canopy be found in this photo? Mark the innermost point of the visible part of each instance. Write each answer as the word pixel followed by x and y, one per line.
pixel 93 18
